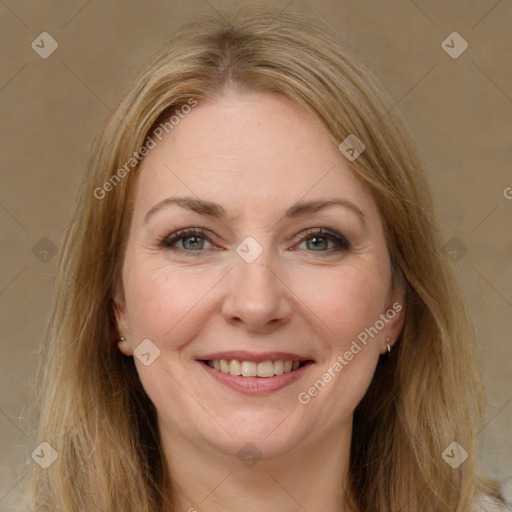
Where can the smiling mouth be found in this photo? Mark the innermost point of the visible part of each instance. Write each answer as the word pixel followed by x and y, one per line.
pixel 264 369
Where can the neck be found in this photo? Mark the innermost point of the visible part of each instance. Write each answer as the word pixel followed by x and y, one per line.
pixel 310 476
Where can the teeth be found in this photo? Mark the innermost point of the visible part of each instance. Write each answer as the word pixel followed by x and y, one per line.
pixel 249 369
pixel 235 367
pixel 253 369
pixel 266 369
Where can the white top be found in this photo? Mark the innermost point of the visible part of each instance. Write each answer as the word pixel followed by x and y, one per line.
pixel 489 504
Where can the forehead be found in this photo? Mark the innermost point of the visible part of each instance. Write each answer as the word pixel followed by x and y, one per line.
pixel 251 153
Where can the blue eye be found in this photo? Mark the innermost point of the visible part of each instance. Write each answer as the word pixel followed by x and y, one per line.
pixel 197 235
pixel 321 237
pixel 193 240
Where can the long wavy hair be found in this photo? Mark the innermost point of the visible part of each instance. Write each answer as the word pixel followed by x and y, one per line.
pixel 92 408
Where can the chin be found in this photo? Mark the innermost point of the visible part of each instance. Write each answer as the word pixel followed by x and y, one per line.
pixel 268 435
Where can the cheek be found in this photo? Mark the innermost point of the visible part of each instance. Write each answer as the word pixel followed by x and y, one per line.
pixel 347 299
pixel 348 304
pixel 163 302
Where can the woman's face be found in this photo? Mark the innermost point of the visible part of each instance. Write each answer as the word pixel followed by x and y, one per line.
pixel 257 283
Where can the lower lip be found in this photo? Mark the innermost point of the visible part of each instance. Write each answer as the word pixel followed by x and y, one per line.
pixel 256 385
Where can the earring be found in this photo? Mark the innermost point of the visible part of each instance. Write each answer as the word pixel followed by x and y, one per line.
pixel 388 339
pixel 122 340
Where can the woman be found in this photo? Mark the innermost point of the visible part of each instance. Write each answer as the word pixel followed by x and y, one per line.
pixel 253 305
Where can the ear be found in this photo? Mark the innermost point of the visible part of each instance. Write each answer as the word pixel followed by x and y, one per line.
pixel 122 324
pixel 395 314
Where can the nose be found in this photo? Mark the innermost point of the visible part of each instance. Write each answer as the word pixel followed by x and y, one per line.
pixel 259 299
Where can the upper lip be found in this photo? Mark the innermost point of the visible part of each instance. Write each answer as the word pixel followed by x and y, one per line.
pixel 243 355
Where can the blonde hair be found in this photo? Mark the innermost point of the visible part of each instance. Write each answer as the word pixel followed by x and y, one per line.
pixel 94 411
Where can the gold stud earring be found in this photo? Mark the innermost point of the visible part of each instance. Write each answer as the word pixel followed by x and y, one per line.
pixel 388 339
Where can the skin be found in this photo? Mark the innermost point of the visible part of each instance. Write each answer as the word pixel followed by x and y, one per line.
pixel 256 155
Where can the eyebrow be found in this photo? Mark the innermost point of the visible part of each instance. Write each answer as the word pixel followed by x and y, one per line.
pixel 215 210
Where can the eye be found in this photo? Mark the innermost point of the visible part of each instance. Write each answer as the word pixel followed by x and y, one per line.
pixel 192 239
pixel 320 239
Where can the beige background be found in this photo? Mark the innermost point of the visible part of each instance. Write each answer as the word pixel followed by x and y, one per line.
pixel 460 110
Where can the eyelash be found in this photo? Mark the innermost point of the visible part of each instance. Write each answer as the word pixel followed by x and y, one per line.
pixel 169 240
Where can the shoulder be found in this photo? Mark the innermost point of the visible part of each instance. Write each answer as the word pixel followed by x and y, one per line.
pixel 490 504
